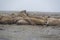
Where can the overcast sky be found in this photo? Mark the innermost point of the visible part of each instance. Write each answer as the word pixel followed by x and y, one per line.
pixel 30 5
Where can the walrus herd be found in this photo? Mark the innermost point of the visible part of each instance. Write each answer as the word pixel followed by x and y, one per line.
pixel 23 18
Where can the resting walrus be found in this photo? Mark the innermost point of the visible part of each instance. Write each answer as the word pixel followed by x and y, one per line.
pixel 6 20
pixel 53 21
pixel 22 22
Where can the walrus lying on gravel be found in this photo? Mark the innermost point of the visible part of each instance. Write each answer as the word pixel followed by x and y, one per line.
pixel 53 21
pixel 6 20
pixel 22 22
pixel 23 18
pixel 36 21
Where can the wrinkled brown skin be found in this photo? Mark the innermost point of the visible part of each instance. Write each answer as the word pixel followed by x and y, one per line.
pixel 1 17
pixel 13 15
pixel 6 20
pixel 25 15
pixel 22 13
pixel 22 22
pixel 38 21
pixel 33 20
pixel 53 22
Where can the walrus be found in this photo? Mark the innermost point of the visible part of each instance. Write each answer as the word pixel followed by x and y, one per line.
pixel 7 20
pixel 53 22
pixel 22 22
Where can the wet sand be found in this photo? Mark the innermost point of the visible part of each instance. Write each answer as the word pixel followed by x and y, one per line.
pixel 29 32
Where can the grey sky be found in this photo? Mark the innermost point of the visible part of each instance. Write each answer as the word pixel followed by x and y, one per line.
pixel 30 5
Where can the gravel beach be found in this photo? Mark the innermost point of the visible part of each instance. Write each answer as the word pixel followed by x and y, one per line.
pixel 29 32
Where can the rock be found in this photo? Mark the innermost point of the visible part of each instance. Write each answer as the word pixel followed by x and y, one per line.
pixel 1 29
